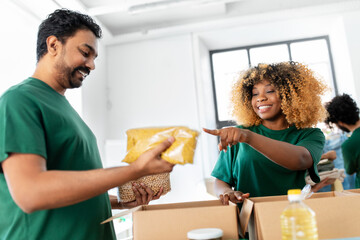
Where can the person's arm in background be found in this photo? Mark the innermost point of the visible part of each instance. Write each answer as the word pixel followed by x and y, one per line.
pixel 326 181
pixel 34 188
pixel 331 155
pixel 351 162
pixel 301 157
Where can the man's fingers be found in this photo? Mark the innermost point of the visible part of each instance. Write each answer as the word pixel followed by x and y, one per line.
pixel 157 196
pixel 163 146
pixel 137 195
pixel 149 192
pixel 143 195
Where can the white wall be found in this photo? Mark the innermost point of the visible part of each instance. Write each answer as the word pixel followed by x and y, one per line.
pixel 153 85
pixel 352 23
pixel 17 45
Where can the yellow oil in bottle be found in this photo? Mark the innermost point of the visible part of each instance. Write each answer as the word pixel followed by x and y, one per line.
pixel 298 220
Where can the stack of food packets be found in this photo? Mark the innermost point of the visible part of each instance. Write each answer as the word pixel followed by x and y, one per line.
pixel 140 140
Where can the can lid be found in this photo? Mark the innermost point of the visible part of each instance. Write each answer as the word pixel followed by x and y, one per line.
pixel 205 233
pixel 294 191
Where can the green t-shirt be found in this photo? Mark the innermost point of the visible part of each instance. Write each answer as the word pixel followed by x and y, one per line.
pixel 36 119
pixel 351 153
pixel 249 171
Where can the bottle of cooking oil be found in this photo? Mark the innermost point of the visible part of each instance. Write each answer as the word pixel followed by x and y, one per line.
pixel 298 220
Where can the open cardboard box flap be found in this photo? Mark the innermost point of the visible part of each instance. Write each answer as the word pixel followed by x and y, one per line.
pixel 334 214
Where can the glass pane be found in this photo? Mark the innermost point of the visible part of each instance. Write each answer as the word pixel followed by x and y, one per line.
pixel 269 54
pixel 226 66
pixel 323 71
pixel 315 54
pixel 310 51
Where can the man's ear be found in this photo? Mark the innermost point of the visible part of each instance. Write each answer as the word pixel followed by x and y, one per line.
pixel 53 45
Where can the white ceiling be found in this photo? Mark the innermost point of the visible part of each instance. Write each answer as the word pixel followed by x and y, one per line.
pixel 123 17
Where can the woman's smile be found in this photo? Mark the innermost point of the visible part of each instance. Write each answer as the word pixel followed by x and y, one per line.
pixel 264 108
pixel 266 103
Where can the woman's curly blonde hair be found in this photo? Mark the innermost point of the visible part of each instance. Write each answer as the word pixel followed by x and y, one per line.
pixel 299 90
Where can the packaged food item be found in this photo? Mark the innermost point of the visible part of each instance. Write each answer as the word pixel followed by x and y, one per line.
pixel 180 152
pixel 155 182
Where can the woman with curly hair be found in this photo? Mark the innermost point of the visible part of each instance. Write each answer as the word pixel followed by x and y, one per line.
pixel 277 106
pixel 344 113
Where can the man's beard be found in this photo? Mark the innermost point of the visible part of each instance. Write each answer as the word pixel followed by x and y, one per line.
pixel 67 75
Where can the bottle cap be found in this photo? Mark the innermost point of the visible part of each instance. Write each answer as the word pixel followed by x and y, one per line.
pixel 294 191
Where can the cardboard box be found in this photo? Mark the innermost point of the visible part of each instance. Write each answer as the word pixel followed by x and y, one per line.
pixel 173 221
pixel 337 215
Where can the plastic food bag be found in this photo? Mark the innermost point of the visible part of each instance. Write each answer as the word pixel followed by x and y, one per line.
pixel 306 192
pixel 155 182
pixel 180 152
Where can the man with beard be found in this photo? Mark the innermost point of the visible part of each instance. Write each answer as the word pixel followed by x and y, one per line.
pixel 52 184
pixel 344 113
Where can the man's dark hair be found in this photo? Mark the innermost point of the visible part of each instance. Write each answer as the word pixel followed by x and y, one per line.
pixel 342 108
pixel 63 23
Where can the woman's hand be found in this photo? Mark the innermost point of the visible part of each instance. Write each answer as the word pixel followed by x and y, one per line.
pixel 233 196
pixel 229 136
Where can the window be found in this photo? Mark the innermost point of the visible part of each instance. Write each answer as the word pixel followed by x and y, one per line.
pixel 227 63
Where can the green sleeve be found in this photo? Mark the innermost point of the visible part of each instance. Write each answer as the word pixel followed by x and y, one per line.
pixel 350 159
pixel 314 142
pixel 21 128
pixel 223 167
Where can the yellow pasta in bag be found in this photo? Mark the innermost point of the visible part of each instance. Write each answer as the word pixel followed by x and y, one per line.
pixel 180 152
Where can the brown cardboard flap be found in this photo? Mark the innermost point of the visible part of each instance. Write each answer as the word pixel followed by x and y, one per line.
pixel 194 204
pixel 345 193
pixel 123 213
pixel 209 203
pixel 245 214
pixel 267 219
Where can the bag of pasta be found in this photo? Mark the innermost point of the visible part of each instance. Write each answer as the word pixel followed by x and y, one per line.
pixel 180 152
